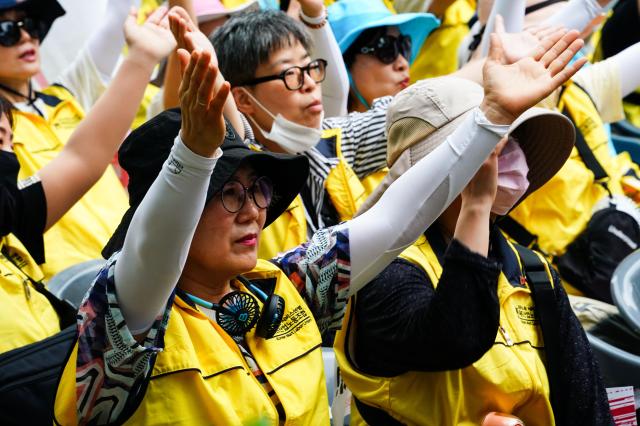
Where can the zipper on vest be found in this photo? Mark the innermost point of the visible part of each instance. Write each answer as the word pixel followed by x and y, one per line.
pixel 505 335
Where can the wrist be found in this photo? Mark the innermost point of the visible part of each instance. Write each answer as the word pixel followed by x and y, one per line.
pixel 477 206
pixel 495 113
pixel 141 58
pixel 315 18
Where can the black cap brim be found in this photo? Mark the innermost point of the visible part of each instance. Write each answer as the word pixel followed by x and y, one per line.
pixel 145 150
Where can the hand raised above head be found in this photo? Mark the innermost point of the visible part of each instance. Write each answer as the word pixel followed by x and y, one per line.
pixel 511 89
pixel 152 40
pixel 203 126
pixel 186 32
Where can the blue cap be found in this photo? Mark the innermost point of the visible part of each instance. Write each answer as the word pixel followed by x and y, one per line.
pixel 46 10
pixel 349 18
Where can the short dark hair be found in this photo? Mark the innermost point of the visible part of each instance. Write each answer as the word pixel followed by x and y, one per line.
pixel 246 40
pixel 6 108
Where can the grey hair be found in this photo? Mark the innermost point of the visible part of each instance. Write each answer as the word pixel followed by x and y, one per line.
pixel 247 40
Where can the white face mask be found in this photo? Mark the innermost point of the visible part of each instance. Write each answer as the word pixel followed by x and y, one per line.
pixel 512 178
pixel 292 137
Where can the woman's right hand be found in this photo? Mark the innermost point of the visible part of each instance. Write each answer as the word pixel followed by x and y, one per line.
pixel 203 126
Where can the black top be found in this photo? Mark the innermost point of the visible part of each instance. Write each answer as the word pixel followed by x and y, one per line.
pixel 23 212
pixel 404 324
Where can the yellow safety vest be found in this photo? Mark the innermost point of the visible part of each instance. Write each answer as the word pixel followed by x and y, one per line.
pixel 82 232
pixel 560 210
pixel 439 53
pixel 346 191
pixel 201 377
pixel 26 316
pixel 510 377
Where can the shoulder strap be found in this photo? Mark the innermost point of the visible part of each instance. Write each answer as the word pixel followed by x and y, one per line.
pixel 585 152
pixel 516 231
pixel 544 299
pixel 374 416
pixel 66 312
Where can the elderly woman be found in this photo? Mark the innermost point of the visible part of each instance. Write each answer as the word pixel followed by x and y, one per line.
pixel 166 334
pixel 377 47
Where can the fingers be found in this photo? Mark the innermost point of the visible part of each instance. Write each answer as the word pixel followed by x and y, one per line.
pixel 217 103
pixel 568 72
pixel 188 72
pixel 157 16
pixel 496 50
pixel 206 86
pixel 560 62
pixel 546 44
pixel 183 58
pixel 189 42
pixel 559 47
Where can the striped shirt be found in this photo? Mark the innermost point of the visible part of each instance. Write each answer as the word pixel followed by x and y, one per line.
pixel 364 147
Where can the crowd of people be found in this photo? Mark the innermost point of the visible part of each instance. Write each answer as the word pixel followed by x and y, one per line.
pixel 426 189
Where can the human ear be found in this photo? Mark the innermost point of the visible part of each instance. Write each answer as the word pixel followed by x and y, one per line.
pixel 243 101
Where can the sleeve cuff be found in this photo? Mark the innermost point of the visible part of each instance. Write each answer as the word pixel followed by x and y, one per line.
pixel 181 156
pixel 458 252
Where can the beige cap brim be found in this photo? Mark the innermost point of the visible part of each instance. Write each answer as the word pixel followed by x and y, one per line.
pixel 546 137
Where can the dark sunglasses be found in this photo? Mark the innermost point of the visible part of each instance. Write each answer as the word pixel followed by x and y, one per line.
pixel 293 77
pixel 388 47
pixel 234 194
pixel 10 30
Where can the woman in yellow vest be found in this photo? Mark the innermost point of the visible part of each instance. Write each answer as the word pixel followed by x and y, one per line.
pixel 185 326
pixel 30 207
pixel 377 46
pixel 449 332
pixel 45 119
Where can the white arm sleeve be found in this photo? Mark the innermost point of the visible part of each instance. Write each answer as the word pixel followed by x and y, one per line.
pixel 89 73
pixel 157 243
pixel 335 87
pixel 418 197
pixel 107 41
pixel 512 12
pixel 576 15
pixel 628 62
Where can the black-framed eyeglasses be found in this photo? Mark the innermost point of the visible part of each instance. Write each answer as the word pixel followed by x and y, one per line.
pixel 10 30
pixel 388 47
pixel 293 77
pixel 234 194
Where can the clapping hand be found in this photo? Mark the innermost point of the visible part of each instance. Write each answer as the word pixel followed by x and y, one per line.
pixel 511 89
pixel 186 32
pixel 151 41
pixel 203 126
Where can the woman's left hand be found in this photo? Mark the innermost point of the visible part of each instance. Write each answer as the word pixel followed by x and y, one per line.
pixel 151 41
pixel 203 127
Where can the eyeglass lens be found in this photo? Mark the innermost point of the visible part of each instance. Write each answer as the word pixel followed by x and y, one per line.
pixel 294 76
pixel 234 194
pixel 10 30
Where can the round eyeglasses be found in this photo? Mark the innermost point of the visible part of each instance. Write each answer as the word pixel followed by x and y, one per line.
pixel 388 47
pixel 234 194
pixel 293 77
pixel 10 30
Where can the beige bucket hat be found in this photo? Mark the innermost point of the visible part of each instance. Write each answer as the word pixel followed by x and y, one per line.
pixel 422 116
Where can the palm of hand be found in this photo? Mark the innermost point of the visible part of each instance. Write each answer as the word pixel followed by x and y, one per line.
pixel 517 86
pixel 152 38
pixel 517 45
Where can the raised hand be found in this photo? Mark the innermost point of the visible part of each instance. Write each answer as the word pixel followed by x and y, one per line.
pixel 520 45
pixel 203 126
pixel 186 32
pixel 311 8
pixel 511 89
pixel 151 40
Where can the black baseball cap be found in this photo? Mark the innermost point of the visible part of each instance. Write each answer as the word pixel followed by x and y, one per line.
pixel 146 149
